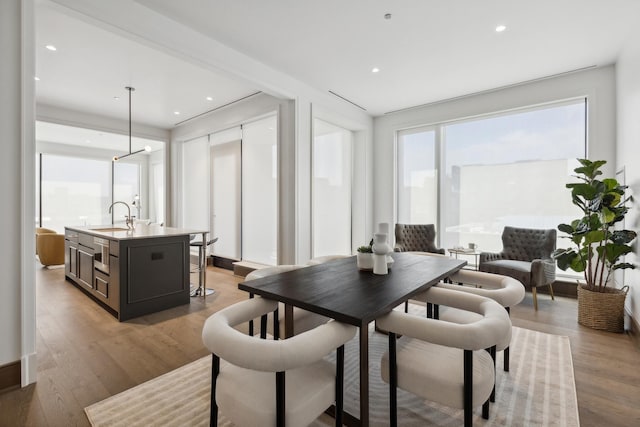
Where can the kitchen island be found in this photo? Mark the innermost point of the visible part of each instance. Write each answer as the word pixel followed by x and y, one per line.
pixel 130 272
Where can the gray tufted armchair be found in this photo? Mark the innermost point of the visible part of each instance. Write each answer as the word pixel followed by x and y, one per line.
pixel 525 256
pixel 416 238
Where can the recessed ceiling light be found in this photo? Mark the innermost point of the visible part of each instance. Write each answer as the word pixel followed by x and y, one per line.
pixel 500 28
pixel 51 47
pixel 115 98
pixel 387 16
pixel 209 98
pixel 177 113
pixel 375 70
pixel 36 78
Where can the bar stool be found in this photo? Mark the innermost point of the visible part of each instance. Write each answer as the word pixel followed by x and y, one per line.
pixel 202 266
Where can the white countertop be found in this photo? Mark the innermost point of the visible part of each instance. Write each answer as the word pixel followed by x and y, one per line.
pixel 142 231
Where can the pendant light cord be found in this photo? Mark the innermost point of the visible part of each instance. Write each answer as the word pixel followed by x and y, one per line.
pixel 130 89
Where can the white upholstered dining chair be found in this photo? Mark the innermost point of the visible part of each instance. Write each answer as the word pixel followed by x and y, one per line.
pixel 505 290
pixel 273 382
pixel 442 361
pixel 303 320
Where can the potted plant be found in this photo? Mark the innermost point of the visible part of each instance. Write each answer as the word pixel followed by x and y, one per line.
pixel 365 256
pixel 598 244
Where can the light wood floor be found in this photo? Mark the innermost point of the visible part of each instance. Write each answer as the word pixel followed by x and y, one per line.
pixel 85 355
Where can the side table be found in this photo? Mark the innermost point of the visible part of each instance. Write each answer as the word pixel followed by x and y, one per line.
pixel 467 252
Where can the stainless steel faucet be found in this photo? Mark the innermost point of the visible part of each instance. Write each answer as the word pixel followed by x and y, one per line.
pixel 129 219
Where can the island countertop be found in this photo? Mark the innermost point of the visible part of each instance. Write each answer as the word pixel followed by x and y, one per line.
pixel 141 231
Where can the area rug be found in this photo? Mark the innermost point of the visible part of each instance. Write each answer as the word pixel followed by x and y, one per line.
pixel 539 390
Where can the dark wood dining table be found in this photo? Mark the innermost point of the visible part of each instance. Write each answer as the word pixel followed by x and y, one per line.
pixel 339 290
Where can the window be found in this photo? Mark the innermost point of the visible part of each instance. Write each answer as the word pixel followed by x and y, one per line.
pixel 417 177
pixel 75 191
pixel 126 186
pixel 331 195
pixel 473 177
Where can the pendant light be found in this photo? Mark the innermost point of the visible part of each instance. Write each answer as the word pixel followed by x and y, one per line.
pixel 146 147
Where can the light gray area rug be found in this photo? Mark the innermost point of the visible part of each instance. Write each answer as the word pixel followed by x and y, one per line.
pixel 539 390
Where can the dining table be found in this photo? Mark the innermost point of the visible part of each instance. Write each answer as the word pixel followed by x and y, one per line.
pixel 339 290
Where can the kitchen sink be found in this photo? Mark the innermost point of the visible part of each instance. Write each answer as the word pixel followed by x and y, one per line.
pixel 109 229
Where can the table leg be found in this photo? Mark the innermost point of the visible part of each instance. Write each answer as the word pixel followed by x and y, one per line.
pixel 288 321
pixel 364 375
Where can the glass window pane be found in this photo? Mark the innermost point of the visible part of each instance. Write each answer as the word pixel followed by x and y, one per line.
pixel 260 191
pixel 126 186
pixel 75 191
pixel 510 170
pixel 331 196
pixel 156 214
pixel 417 177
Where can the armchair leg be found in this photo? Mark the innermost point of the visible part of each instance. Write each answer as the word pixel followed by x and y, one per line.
pixel 263 326
pixel 485 410
pixel 506 359
pixel 551 290
pixel 492 352
pixel 215 370
pixel 393 382
pixel 339 384
pixel 506 350
pixel 535 298
pixel 280 399
pixel 468 388
pixel 276 325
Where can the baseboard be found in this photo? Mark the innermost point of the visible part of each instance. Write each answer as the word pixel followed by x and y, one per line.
pixel 634 330
pixel 222 262
pixel 10 375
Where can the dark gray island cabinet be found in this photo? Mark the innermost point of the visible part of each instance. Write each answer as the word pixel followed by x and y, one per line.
pixel 130 272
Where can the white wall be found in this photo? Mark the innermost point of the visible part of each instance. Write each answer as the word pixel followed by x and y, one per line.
pixel 597 84
pixel 628 155
pixel 17 171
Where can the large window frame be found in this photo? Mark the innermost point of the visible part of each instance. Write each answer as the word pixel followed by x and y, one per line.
pixel 440 154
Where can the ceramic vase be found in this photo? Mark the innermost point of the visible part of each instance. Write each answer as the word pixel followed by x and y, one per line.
pixel 380 250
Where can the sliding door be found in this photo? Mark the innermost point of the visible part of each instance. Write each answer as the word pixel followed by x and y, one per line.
pixel 260 191
pixel 195 184
pixel 226 185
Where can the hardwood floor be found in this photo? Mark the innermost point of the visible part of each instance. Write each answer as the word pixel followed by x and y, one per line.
pixel 85 355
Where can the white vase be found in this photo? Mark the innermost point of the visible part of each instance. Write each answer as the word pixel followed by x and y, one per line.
pixel 380 251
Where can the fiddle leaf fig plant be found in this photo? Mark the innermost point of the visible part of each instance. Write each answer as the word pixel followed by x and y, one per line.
pixel 597 245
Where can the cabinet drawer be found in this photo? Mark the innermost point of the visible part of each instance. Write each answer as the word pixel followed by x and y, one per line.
pixel 85 239
pixel 101 284
pixel 71 235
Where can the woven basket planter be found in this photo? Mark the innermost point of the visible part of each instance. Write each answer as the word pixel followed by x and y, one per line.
pixel 602 310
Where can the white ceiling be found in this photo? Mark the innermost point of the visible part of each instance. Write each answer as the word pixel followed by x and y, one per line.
pixel 428 51
pixel 91 66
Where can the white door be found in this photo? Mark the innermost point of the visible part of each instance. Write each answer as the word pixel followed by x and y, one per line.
pixel 225 197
